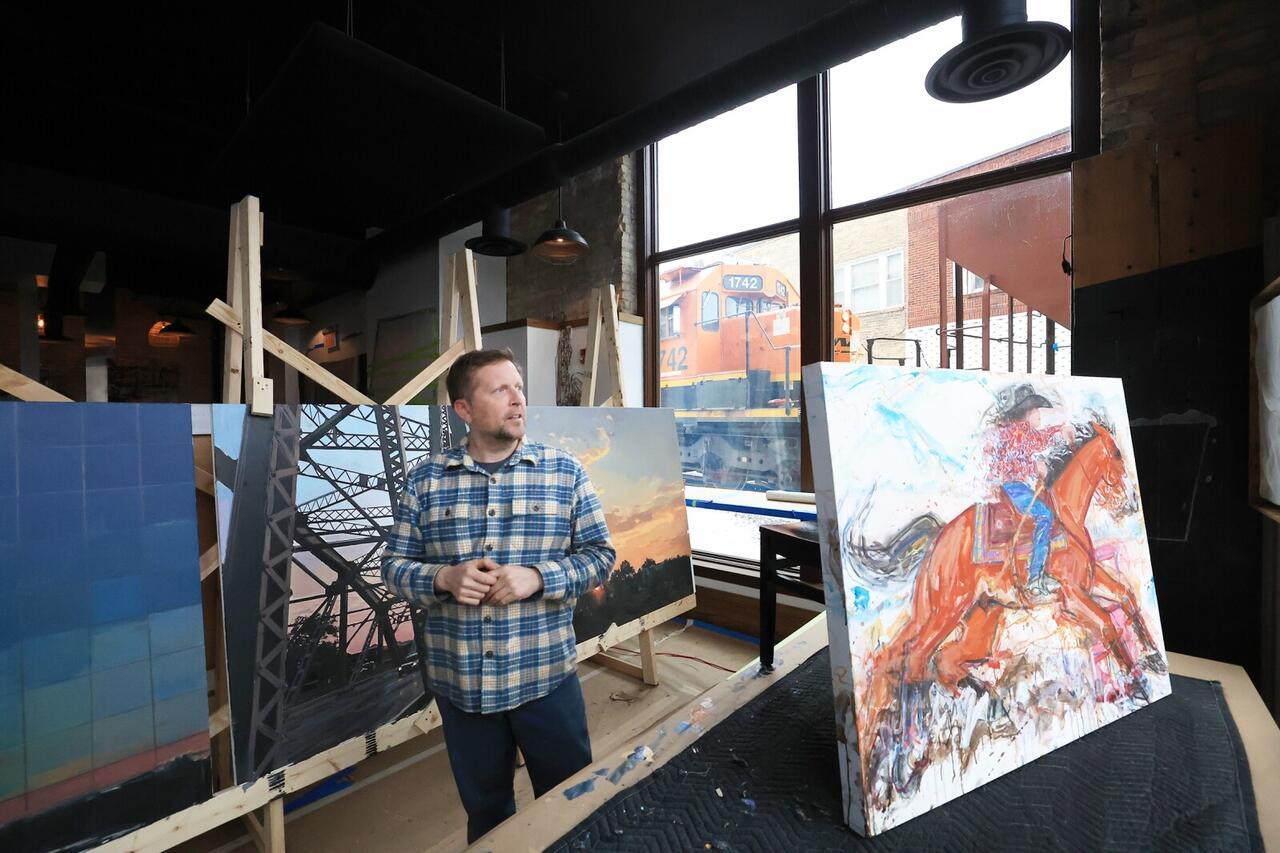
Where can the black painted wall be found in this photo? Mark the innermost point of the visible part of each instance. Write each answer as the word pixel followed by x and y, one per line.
pixel 1179 338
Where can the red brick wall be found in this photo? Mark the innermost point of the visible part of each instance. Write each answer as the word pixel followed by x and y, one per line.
pixel 923 268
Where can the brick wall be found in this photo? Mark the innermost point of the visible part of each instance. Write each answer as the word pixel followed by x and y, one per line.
pixel 1176 67
pixel 923 268
pixel 600 204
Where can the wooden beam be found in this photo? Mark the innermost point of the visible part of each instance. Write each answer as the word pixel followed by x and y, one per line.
pixel 648 658
pixel 219 721
pixel 204 478
pixel 449 322
pixel 593 350
pixel 626 667
pixel 258 388
pixel 210 562
pixel 613 352
pixel 233 347
pixel 621 633
pixel 433 371
pixel 28 390
pixel 466 288
pixel 222 312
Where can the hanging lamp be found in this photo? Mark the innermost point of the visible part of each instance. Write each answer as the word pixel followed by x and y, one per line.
pixel 560 245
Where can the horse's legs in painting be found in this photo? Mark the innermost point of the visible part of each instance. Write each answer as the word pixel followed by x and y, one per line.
pixel 941 601
pixel 1079 606
pixel 974 646
pixel 1115 588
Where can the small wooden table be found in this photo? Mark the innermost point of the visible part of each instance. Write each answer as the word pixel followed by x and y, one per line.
pixel 790 561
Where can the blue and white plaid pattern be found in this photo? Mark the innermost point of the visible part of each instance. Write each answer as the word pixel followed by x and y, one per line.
pixel 538 510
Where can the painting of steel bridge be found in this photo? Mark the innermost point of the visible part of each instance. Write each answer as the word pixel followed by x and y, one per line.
pixel 318 651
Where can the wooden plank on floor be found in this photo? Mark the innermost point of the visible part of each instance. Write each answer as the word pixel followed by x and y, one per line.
pixel 549 818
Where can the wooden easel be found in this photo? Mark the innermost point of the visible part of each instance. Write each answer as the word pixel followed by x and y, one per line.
pixel 602 327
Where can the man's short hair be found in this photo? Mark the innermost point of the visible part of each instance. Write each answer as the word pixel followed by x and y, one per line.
pixel 458 382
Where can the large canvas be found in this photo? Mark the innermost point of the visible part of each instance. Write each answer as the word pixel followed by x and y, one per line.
pixel 104 720
pixel 951 664
pixel 318 651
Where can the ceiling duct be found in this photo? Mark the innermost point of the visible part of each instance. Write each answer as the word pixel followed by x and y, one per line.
pixel 1000 52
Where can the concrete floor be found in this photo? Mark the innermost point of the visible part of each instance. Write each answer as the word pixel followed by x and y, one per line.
pixel 404 799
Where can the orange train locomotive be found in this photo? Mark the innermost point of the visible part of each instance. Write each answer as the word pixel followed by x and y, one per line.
pixel 729 364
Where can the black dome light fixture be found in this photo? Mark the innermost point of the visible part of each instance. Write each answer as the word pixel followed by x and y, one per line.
pixel 495 235
pixel 1000 52
pixel 560 245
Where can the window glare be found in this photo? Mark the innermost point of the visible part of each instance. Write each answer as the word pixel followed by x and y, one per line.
pixel 732 172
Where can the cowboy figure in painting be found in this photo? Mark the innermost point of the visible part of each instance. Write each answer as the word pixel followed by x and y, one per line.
pixel 497 539
pixel 1020 451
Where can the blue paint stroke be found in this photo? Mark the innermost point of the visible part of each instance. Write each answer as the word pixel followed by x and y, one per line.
pixel 633 761
pixel 584 787
pixel 682 727
pixel 923 444
pixel 861 598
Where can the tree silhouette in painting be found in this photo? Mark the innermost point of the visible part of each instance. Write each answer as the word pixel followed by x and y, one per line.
pixel 630 593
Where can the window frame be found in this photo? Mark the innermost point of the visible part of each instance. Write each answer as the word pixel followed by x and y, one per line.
pixel 817 216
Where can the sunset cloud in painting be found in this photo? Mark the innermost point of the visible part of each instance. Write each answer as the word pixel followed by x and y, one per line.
pixel 631 458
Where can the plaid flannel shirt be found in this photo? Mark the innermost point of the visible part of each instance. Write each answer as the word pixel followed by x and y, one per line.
pixel 538 510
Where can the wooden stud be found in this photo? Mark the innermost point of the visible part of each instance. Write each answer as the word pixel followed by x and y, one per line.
pixel 431 373
pixel 233 346
pixel 648 658
pixel 449 322
pixel 621 633
pixel 593 350
pixel 219 720
pixel 613 351
pixel 468 303
pixel 258 389
pixel 626 667
pixel 210 562
pixel 28 390
pixel 223 313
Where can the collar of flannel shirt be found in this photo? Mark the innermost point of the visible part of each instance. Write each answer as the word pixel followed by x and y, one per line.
pixel 527 451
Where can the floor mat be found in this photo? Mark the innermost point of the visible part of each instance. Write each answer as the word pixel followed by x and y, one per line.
pixel 1171 776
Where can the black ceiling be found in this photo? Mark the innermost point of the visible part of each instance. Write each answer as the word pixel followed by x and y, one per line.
pixel 176 100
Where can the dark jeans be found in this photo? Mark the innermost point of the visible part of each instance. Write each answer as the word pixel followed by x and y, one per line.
pixel 551 732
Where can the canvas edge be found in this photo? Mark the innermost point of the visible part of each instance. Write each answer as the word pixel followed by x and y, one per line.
pixel 833 592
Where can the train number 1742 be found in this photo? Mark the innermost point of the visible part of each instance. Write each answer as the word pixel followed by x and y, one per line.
pixel 676 358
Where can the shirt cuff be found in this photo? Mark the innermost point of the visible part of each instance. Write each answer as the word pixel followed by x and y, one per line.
pixel 427 592
pixel 555 581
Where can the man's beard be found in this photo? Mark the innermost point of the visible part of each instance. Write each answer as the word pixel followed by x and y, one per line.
pixel 510 432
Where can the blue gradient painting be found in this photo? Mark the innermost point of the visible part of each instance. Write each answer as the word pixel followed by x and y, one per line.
pixel 103 710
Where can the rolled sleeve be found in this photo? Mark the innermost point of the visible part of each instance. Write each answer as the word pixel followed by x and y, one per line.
pixel 591 554
pixel 404 570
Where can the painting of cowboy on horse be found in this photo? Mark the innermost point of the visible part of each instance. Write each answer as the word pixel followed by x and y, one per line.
pixel 990 567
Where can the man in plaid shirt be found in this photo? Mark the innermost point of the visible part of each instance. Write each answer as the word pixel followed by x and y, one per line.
pixel 497 539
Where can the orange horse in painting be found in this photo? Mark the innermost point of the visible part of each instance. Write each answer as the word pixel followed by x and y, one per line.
pixel 958 605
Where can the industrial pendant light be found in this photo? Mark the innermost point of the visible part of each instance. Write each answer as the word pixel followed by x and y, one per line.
pixel 178 329
pixel 1000 52
pixel 495 236
pixel 560 244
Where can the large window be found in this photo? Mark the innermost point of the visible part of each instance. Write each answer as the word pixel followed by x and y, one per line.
pixel 733 375
pixel 989 211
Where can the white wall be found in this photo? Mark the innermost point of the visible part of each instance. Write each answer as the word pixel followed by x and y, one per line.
pixel 491 277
